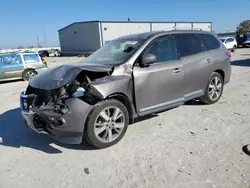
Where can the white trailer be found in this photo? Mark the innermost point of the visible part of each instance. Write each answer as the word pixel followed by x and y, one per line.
pixel 87 37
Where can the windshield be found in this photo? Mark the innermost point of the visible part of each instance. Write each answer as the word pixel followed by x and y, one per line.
pixel 223 40
pixel 115 52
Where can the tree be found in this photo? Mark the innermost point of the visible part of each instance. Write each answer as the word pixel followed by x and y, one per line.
pixel 244 26
pixel 20 47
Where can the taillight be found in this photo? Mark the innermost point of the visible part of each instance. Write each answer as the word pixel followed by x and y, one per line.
pixel 228 54
pixel 44 62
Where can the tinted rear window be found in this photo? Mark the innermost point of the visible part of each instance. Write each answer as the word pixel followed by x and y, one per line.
pixel 210 41
pixel 188 44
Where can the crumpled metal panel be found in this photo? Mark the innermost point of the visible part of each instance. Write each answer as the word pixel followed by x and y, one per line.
pixel 59 76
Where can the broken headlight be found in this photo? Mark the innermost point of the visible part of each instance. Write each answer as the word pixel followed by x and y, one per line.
pixel 79 92
pixel 72 89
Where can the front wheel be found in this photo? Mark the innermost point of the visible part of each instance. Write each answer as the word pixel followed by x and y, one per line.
pixel 214 89
pixel 107 124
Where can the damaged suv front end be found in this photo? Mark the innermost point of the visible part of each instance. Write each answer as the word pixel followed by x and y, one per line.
pixel 59 101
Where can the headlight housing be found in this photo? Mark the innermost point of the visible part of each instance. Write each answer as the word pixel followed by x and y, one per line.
pixel 79 92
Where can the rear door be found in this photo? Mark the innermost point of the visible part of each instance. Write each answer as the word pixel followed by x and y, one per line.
pixel 160 85
pixel 12 66
pixel 195 62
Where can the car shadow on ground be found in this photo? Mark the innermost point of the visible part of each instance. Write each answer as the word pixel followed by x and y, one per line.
pixel 11 81
pixel 14 133
pixel 246 150
pixel 194 102
pixel 242 63
pixel 143 118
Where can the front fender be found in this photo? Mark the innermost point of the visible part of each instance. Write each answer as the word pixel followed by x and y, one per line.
pixel 113 84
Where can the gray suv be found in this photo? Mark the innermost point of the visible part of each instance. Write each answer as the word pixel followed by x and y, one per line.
pixel 130 77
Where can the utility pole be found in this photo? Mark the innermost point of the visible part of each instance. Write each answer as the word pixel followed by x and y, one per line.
pixel 38 45
pixel 44 38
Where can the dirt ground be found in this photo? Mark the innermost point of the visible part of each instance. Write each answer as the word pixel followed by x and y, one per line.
pixel 192 146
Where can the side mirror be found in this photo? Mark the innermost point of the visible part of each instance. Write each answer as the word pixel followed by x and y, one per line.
pixel 148 59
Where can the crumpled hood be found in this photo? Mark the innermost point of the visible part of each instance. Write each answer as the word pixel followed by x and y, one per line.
pixel 59 76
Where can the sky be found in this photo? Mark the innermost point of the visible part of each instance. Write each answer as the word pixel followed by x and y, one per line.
pixel 22 22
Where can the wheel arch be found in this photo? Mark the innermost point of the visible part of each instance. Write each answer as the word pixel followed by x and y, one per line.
pixel 27 69
pixel 221 72
pixel 127 102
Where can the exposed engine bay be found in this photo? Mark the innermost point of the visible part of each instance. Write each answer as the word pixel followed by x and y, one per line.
pixel 58 101
pixel 49 104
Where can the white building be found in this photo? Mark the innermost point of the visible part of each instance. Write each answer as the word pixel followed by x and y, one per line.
pixel 87 37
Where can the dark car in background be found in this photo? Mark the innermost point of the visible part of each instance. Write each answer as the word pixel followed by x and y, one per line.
pixel 243 39
pixel 129 77
pixel 49 53
pixel 43 53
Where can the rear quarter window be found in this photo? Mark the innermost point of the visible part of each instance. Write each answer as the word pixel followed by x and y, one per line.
pixel 31 58
pixel 210 41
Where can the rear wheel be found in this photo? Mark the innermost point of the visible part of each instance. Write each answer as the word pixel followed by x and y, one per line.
pixel 214 89
pixel 107 124
pixel 29 74
pixel 234 48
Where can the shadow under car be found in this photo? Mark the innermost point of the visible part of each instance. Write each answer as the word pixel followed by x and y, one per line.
pixel 15 133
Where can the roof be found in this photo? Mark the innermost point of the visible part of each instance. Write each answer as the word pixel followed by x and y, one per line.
pixel 99 21
pixel 141 35
pixel 147 35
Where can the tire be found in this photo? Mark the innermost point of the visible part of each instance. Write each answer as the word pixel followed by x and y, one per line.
pixel 233 49
pixel 98 130
pixel 208 97
pixel 29 74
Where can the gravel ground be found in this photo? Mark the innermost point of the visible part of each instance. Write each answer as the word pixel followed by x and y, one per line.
pixel 191 146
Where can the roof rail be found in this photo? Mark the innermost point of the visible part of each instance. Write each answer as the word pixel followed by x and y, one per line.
pixel 182 28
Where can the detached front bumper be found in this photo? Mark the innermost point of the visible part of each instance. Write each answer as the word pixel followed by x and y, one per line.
pixel 71 127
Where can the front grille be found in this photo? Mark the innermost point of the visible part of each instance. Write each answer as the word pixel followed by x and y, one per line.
pixel 41 96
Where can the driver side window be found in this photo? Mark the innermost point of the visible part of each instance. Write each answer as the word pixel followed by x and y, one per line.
pixel 164 49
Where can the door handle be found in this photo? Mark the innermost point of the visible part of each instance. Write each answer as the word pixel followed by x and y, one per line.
pixel 209 60
pixel 176 70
